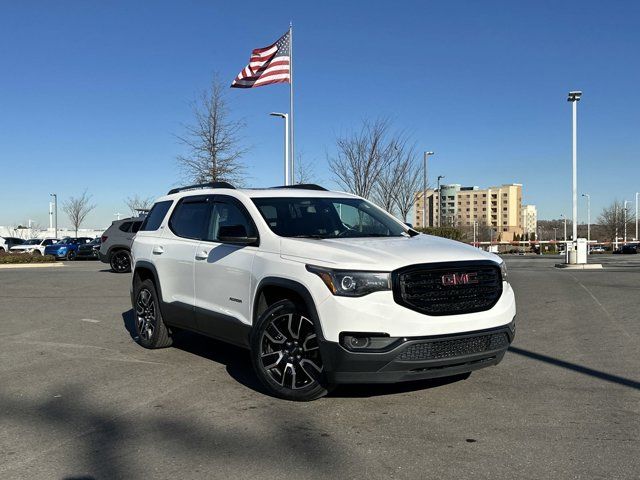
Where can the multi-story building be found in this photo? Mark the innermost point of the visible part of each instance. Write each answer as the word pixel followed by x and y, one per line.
pixel 498 208
pixel 529 219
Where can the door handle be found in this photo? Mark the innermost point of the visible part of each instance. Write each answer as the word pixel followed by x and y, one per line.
pixel 158 250
pixel 202 255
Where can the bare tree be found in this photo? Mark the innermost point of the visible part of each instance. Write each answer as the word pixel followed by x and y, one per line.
pixel 136 203
pixel 213 140
pixel 384 191
pixel 612 220
pixel 77 208
pixel 407 181
pixel 304 171
pixel 362 157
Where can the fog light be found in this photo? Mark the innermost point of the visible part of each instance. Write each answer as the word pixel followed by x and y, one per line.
pixel 368 341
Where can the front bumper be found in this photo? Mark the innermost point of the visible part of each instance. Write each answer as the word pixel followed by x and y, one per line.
pixel 417 358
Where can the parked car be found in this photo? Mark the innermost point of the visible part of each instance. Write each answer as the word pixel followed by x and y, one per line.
pixel 90 250
pixel 6 243
pixel 598 249
pixel 67 248
pixel 322 288
pixel 34 245
pixel 628 249
pixel 116 243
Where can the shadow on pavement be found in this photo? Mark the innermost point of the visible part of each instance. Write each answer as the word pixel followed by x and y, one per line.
pixel 92 439
pixel 238 365
pixel 608 377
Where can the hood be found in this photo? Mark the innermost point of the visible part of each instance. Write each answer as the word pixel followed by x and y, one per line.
pixel 380 253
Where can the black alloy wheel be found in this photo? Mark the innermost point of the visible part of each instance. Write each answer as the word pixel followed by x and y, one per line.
pixel 71 255
pixel 120 261
pixel 286 353
pixel 151 331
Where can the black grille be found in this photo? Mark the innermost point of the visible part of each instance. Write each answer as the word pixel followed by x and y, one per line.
pixel 454 347
pixel 448 288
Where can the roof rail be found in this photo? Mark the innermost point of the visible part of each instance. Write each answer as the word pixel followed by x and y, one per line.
pixel 202 185
pixel 304 186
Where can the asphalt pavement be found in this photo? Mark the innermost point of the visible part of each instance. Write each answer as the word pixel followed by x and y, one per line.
pixel 79 399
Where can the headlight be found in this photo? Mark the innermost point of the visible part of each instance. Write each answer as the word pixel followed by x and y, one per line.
pixel 347 283
pixel 503 271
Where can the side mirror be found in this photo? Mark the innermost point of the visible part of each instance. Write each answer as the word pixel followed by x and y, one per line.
pixel 410 225
pixel 235 234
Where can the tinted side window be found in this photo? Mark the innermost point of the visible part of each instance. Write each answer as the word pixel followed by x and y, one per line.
pixel 189 218
pixel 228 214
pixel 125 226
pixel 135 227
pixel 156 216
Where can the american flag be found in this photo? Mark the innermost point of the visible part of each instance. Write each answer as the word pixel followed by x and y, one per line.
pixel 267 65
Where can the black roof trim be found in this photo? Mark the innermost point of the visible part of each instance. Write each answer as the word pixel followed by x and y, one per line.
pixel 304 186
pixel 202 185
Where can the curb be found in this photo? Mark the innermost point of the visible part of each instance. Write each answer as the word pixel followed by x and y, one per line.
pixel 586 266
pixel 31 265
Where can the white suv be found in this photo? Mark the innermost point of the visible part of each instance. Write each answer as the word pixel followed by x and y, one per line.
pixel 322 287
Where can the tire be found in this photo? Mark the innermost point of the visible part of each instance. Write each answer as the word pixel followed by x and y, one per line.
pixel 71 255
pixel 285 353
pixel 1 250
pixel 37 253
pixel 151 332
pixel 120 261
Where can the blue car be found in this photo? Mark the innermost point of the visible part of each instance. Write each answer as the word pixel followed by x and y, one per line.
pixel 67 248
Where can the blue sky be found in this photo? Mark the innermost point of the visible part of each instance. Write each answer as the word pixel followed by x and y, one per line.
pixel 92 93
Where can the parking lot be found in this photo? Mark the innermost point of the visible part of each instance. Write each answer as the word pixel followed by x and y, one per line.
pixel 80 399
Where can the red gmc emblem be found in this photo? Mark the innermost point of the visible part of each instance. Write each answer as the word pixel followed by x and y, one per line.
pixel 460 278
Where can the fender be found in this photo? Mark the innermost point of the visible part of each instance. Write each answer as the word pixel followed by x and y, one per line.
pixel 293 285
pixel 156 279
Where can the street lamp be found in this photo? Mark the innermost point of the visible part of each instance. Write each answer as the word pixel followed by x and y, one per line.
pixel 574 98
pixel 55 206
pixel 637 193
pixel 565 226
pixel 555 234
pixel 288 173
pixel 440 177
pixel 588 216
pixel 625 221
pixel 424 189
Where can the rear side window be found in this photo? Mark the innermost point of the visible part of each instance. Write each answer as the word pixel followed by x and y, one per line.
pixel 189 218
pixel 156 216
pixel 125 226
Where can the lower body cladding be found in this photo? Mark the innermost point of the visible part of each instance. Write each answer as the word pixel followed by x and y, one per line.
pixel 415 358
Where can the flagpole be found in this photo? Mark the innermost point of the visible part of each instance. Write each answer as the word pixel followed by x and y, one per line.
pixel 291 122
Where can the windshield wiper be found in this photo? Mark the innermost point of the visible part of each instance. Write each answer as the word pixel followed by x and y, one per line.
pixel 314 236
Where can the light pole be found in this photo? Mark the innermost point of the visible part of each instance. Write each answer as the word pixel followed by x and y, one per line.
pixel 565 227
pixel 625 221
pixel 574 98
pixel 588 217
pixel 424 189
pixel 288 173
pixel 637 194
pixel 440 177
pixel 55 207
pixel 555 234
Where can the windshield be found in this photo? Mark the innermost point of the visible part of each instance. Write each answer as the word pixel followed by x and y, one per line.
pixel 65 241
pixel 327 218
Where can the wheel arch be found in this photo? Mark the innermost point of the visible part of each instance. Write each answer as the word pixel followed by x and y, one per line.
pixel 116 248
pixel 146 270
pixel 273 289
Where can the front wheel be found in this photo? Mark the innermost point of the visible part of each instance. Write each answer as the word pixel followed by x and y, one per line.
pixel 71 255
pixel 151 332
pixel 120 261
pixel 286 354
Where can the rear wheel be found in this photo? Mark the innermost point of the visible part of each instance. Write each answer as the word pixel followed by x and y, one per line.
pixel 120 261
pixel 71 255
pixel 286 354
pixel 151 332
